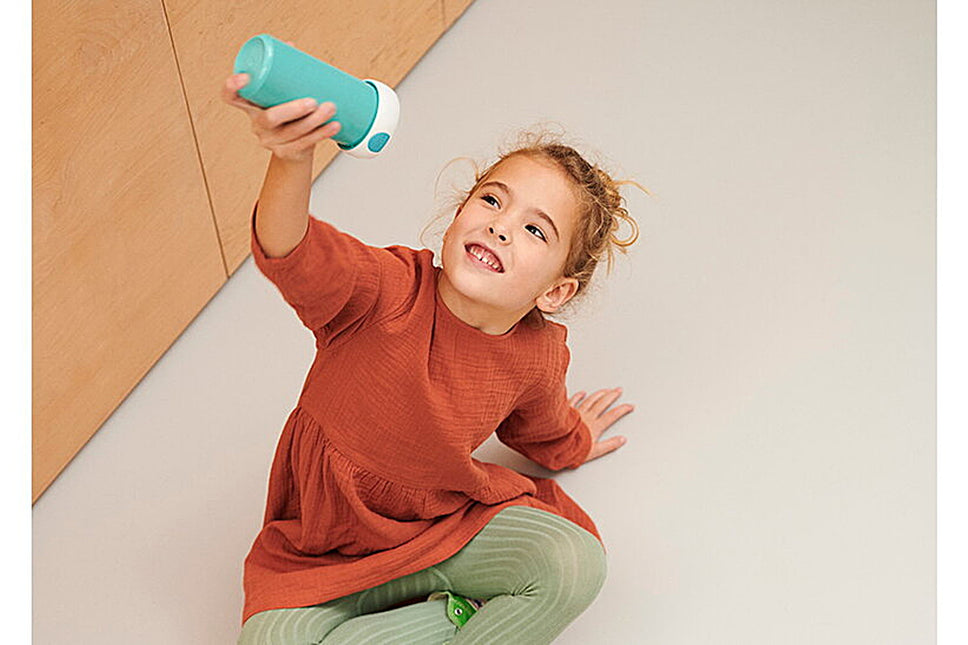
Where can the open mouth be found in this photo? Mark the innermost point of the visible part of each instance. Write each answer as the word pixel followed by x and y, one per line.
pixel 484 258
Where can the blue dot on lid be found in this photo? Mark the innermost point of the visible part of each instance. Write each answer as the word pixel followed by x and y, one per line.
pixel 378 141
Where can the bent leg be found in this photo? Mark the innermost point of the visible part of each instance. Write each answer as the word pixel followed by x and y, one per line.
pixel 297 626
pixel 538 571
pixel 362 617
pixel 425 623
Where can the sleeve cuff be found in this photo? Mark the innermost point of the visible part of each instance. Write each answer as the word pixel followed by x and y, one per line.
pixel 584 443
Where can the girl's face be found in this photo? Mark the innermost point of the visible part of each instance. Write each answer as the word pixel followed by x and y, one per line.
pixel 525 213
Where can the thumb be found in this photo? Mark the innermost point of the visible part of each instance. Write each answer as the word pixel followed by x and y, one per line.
pixel 604 447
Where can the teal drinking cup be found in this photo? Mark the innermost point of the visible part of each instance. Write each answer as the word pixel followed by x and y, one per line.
pixel 367 110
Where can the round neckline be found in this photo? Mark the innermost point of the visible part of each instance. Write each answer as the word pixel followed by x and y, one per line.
pixel 461 323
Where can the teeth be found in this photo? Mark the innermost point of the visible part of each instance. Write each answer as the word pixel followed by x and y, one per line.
pixel 485 257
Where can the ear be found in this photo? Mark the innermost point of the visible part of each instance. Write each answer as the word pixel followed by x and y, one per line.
pixel 557 295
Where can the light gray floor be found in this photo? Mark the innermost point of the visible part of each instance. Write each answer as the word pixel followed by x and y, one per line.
pixel 774 326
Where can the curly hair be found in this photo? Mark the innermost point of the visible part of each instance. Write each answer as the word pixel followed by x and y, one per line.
pixel 601 207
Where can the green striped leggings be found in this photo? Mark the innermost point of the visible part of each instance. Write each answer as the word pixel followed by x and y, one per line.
pixel 537 571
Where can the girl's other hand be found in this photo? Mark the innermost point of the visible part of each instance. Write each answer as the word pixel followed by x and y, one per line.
pixel 594 413
pixel 289 130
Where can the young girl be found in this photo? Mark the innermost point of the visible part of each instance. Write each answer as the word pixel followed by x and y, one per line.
pixel 379 525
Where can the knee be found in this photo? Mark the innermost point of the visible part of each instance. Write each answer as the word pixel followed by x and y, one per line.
pixel 563 557
pixel 261 628
pixel 295 626
pixel 575 563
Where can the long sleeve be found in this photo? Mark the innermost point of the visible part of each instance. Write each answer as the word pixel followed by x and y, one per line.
pixel 335 283
pixel 545 427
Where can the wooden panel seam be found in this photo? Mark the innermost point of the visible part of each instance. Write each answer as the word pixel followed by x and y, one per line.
pixel 198 150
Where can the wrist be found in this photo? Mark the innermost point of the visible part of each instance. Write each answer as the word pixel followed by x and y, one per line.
pixel 300 159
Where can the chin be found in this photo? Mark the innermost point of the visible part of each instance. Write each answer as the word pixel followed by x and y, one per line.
pixel 466 284
pixel 469 284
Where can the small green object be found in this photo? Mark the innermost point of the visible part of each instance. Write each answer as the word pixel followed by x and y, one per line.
pixel 459 609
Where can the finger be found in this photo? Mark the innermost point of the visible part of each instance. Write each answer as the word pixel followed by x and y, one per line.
pixel 604 447
pixel 614 443
pixel 231 86
pixel 323 132
pixel 314 137
pixel 593 398
pixel 575 398
pixel 230 93
pixel 617 413
pixel 279 115
pixel 296 130
pixel 606 399
pixel 311 139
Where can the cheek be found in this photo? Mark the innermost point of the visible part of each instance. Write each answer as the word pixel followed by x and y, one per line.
pixel 458 212
pixel 451 239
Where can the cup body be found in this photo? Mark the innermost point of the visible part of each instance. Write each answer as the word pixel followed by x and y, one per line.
pixel 278 73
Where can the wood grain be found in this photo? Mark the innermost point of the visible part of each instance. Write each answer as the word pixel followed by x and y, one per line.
pixel 453 10
pixel 125 251
pixel 143 179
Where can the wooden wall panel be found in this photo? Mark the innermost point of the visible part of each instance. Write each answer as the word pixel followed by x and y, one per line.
pixel 453 10
pixel 366 38
pixel 143 180
pixel 125 251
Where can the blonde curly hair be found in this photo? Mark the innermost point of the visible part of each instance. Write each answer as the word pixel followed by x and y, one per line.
pixel 601 207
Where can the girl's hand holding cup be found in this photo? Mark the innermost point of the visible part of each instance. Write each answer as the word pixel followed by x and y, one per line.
pixel 289 130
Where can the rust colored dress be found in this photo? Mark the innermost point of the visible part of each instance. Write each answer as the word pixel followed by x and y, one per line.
pixel 373 477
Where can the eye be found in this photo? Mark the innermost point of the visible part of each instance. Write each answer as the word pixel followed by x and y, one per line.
pixel 539 231
pixel 487 197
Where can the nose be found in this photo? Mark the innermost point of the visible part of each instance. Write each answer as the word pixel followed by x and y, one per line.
pixel 501 236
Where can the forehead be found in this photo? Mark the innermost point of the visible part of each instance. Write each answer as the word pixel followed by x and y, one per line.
pixel 524 165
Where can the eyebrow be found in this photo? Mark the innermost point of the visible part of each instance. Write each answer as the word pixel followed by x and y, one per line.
pixel 540 213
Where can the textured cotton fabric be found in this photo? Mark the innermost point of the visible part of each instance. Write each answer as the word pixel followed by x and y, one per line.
pixel 373 477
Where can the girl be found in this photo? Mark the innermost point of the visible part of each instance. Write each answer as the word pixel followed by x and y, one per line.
pixel 379 525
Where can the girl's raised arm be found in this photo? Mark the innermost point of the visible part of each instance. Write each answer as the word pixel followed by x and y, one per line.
pixel 282 214
pixel 290 131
